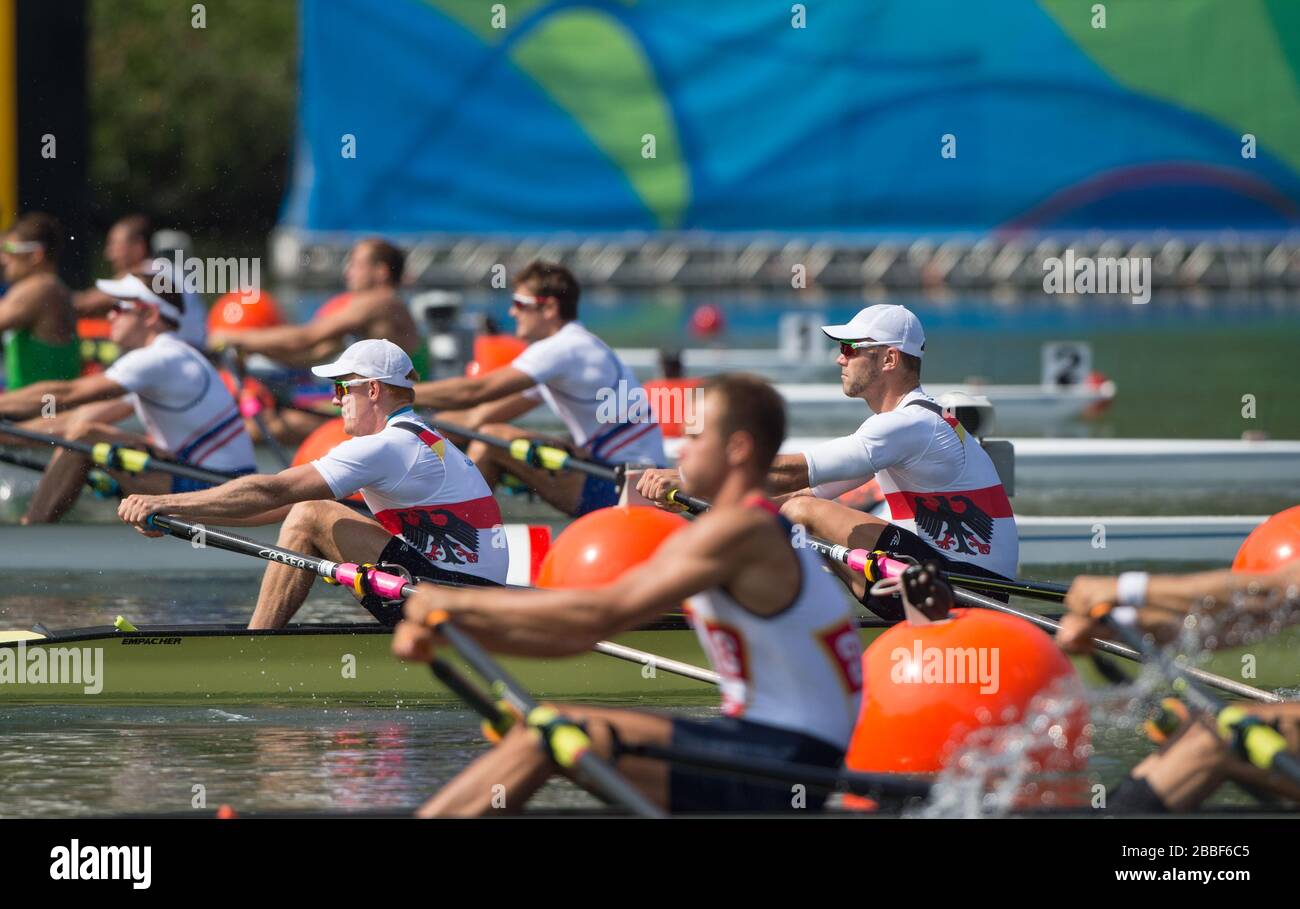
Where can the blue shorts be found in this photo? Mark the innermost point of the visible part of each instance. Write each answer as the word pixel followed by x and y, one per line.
pixel 690 789
pixel 185 484
pixel 596 494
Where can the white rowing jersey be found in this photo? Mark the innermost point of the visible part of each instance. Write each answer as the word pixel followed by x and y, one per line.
pixel 800 669
pixel 194 321
pixel 183 404
pixel 593 392
pixel 937 479
pixel 424 489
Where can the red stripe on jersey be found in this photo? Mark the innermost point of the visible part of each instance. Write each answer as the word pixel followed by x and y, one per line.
pixel 539 543
pixel 212 448
pixel 991 500
pixel 606 452
pixel 429 437
pixel 481 514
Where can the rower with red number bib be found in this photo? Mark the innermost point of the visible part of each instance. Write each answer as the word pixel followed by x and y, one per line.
pixel 574 373
pixel 769 618
pixel 944 495
pixel 434 516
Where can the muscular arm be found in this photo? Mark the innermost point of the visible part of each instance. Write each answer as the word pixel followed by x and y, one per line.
pixel 249 498
pixel 301 345
pixel 1255 598
pixel 500 411
pixel 458 394
pixel 19 308
pixel 67 393
pixel 789 473
pixel 543 623
pixel 91 303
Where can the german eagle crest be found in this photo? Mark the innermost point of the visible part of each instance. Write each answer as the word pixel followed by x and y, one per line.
pixel 440 535
pixel 954 523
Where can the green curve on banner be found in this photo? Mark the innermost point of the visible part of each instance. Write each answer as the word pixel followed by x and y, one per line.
pixel 1232 62
pixel 593 68
pixel 478 16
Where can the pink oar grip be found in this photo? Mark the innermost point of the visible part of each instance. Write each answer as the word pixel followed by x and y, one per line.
pixel 890 568
pixel 249 406
pixel 857 559
pixel 388 586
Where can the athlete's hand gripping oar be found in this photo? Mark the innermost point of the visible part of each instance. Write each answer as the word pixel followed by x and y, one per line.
pixel 568 743
pixel 1040 590
pixel 364 579
pixel 116 457
pixel 882 565
pixel 1251 738
pixel 534 453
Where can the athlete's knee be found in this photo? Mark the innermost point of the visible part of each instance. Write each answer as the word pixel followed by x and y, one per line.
pixel 305 516
pixel 799 509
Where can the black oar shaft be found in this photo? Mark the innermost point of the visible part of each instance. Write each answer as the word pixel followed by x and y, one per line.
pixel 549 456
pixel 130 459
pixel 1278 758
pixel 592 770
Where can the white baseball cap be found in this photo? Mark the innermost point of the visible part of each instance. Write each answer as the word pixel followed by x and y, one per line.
pixel 132 288
pixel 373 358
pixel 887 323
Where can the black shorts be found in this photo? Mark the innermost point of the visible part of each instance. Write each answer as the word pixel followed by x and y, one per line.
pixel 897 541
pixel 402 554
pixel 690 789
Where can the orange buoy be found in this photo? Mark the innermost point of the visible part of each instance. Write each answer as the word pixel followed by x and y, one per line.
pixel 321 442
pixel 333 305
pixel 227 813
pixel 1097 381
pixel 1272 544
pixel 707 321
pixel 932 690
pixel 673 404
pixel 491 352
pixel 232 313
pixel 600 546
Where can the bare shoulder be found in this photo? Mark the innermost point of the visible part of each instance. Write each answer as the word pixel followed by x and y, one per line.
pixel 735 527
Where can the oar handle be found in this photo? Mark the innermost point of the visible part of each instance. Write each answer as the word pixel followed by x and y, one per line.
pixel 116 457
pixel 534 453
pixel 568 743
pixel 361 579
pixel 1260 744
pixel 690 503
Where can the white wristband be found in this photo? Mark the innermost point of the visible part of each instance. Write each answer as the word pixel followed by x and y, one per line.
pixel 1131 588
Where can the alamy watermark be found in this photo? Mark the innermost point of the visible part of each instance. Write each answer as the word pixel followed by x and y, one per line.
pixel 660 404
pixel 1073 274
pixel 920 665
pixel 191 274
pixel 46 665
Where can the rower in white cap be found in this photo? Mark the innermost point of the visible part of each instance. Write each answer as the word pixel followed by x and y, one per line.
pixel 434 516
pixel 186 410
pixel 944 494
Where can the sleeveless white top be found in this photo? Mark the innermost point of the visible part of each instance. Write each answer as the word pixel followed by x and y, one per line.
pixel 800 669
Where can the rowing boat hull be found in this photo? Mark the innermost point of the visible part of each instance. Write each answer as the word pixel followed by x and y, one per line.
pixel 324 665
pixel 340 665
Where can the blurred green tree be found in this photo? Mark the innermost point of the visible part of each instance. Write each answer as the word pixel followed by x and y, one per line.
pixel 193 125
